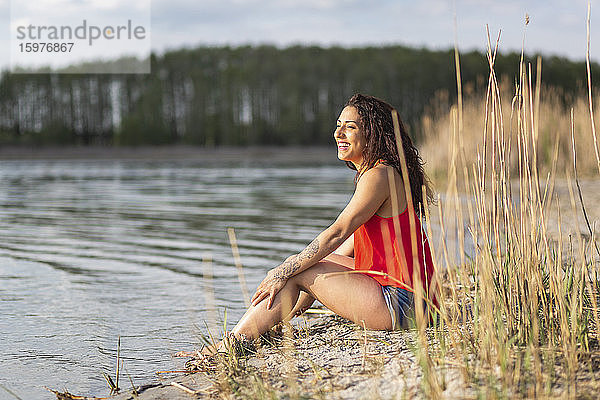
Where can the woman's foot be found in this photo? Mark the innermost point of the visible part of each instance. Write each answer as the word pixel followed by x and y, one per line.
pixel 184 354
pixel 239 343
pixel 205 351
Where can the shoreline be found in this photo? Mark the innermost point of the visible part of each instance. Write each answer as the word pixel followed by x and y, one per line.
pixel 328 357
pixel 179 152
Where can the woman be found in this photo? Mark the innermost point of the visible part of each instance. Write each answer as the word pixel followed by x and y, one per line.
pixel 382 245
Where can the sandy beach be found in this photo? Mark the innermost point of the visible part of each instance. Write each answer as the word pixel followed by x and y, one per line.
pixel 328 357
pixel 332 358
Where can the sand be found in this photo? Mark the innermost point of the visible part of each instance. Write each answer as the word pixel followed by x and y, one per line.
pixel 327 358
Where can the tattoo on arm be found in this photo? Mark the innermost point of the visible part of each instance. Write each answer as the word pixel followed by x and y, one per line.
pixel 310 251
pixel 289 267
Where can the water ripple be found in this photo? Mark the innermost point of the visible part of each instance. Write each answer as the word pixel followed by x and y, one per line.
pixel 90 250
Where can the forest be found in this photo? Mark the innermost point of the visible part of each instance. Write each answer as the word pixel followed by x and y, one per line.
pixel 248 95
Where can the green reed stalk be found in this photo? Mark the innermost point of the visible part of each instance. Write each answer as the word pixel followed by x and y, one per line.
pixel 532 301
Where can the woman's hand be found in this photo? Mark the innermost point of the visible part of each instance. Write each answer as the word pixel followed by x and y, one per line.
pixel 272 284
pixel 269 287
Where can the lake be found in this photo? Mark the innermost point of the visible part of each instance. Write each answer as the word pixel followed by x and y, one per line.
pixel 91 250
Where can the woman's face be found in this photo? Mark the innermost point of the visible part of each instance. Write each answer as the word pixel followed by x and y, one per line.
pixel 349 136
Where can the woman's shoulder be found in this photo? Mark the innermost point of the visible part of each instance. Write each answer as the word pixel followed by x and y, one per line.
pixel 380 178
pixel 379 172
pixel 376 177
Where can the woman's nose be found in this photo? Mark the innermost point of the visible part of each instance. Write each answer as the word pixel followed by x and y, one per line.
pixel 338 132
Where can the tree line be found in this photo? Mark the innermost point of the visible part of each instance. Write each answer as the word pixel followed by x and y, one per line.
pixel 248 95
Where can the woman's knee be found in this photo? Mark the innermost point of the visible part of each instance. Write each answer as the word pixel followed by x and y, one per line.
pixel 305 279
pixel 315 276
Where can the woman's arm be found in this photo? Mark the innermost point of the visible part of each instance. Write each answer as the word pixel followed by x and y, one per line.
pixel 371 191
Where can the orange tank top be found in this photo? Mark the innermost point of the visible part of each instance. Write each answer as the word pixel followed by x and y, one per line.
pixel 379 247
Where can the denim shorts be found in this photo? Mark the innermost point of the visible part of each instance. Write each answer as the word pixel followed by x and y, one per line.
pixel 401 304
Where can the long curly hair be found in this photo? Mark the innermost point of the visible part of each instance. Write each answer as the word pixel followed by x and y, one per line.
pixel 378 128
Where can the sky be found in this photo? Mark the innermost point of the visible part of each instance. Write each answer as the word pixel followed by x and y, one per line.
pixel 556 27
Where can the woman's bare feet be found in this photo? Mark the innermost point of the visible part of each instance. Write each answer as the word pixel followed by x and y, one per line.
pixel 184 353
pixel 205 351
pixel 231 341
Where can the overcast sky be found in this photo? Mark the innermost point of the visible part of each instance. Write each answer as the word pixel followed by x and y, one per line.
pixel 556 27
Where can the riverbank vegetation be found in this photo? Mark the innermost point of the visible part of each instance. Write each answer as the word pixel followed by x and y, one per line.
pixel 521 313
pixel 554 125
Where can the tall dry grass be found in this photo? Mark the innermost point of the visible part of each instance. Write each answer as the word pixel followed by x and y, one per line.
pixel 554 129
pixel 520 314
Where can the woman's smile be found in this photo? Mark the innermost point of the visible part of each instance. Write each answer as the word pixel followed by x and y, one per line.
pixel 343 146
pixel 349 137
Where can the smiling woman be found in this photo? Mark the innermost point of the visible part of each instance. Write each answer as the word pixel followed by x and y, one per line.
pixel 369 264
pixel 350 139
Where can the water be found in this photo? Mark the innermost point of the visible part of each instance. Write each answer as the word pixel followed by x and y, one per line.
pixel 90 250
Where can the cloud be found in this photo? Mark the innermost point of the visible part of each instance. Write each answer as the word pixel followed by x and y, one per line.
pixel 557 26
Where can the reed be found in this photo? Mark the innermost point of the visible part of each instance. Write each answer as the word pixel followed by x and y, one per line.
pixel 553 131
pixel 238 265
pixel 520 312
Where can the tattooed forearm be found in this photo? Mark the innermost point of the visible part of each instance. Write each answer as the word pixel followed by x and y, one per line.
pixel 290 266
pixel 310 250
pixel 286 269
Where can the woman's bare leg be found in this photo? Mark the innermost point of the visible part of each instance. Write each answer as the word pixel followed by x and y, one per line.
pixel 356 297
pixel 304 302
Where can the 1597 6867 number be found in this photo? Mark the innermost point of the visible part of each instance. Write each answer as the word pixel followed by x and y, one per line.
pixel 48 47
